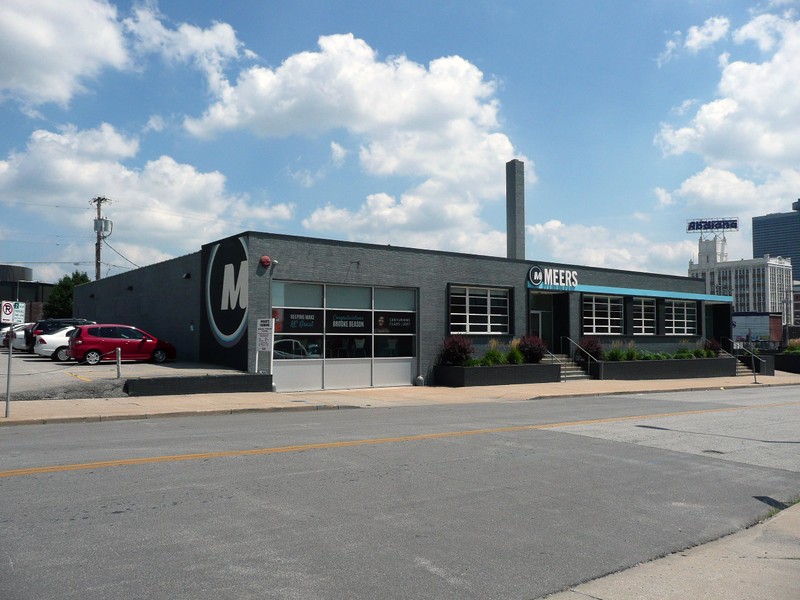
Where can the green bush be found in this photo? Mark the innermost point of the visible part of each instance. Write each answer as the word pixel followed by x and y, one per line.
pixel 793 346
pixel 493 357
pixel 515 356
pixel 615 354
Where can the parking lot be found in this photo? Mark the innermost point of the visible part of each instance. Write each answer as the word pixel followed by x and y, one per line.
pixel 34 377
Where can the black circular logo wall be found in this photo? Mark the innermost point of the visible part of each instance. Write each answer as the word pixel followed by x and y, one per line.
pixel 227 291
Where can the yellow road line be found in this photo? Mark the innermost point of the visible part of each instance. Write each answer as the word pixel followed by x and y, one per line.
pixel 365 442
pixel 78 376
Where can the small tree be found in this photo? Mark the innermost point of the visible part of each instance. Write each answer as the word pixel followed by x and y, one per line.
pixel 59 304
pixel 532 348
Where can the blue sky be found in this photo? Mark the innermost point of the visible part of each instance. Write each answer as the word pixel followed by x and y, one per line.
pixel 391 123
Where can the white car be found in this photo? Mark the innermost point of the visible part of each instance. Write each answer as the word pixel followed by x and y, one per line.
pixel 55 344
pixel 17 335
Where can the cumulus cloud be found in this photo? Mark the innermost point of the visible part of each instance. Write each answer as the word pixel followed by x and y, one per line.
pixel 49 48
pixel 208 49
pixel 437 124
pixel 706 35
pixel 600 247
pixel 749 135
pixel 161 210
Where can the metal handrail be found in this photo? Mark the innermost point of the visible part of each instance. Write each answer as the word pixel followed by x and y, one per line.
pixel 558 360
pixel 578 347
pixel 752 354
pixel 752 358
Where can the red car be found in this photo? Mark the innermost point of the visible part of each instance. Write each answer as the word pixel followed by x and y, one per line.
pixel 93 343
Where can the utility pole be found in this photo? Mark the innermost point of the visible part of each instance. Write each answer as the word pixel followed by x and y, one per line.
pixel 102 228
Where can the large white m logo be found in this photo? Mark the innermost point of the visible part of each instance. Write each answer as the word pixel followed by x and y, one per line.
pixel 234 291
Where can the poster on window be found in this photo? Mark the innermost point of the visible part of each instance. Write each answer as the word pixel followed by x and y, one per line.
pixel 395 322
pixel 348 321
pixel 297 320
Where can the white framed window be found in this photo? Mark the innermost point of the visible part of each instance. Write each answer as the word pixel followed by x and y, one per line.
pixel 680 317
pixel 644 316
pixel 479 310
pixel 602 315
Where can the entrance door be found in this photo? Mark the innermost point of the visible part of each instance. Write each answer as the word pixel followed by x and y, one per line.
pixel 535 323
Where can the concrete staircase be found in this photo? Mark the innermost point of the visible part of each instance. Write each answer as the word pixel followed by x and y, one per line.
pixel 569 370
pixel 743 369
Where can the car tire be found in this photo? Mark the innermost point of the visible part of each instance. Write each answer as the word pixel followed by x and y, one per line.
pixel 92 357
pixel 61 354
pixel 159 356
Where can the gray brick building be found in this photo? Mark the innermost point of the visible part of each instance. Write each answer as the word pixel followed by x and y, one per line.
pixel 357 315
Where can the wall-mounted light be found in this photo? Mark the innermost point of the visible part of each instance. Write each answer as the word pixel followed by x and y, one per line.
pixel 91 295
pixel 130 288
pixel 186 276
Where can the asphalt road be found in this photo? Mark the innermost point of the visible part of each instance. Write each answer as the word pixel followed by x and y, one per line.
pixel 512 500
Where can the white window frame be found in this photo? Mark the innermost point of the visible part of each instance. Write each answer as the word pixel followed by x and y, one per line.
pixel 603 315
pixel 680 317
pixel 644 316
pixel 485 310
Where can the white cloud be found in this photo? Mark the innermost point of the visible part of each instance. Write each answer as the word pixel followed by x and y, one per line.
pixel 49 48
pixel 436 124
pixel 161 210
pixel 209 49
pixel 710 32
pixel 338 154
pixel 664 197
pixel 749 136
pixel 600 247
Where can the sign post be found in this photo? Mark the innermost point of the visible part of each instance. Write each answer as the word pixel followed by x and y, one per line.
pixel 11 313
pixel 265 334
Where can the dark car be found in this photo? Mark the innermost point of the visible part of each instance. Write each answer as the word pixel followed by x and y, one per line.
pixel 96 342
pixel 48 326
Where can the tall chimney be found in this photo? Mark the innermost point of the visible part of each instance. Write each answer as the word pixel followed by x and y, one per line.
pixel 515 209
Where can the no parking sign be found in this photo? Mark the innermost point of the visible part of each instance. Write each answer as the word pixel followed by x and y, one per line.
pixel 12 312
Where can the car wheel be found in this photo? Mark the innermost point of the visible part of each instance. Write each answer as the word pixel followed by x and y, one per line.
pixel 92 357
pixel 159 356
pixel 60 355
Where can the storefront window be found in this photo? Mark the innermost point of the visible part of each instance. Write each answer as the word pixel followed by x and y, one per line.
pixel 393 299
pixel 479 310
pixel 681 317
pixel 348 297
pixel 297 347
pixel 602 315
pixel 296 294
pixel 644 316
pixel 346 324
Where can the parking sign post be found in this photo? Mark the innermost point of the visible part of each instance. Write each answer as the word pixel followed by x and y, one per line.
pixel 12 313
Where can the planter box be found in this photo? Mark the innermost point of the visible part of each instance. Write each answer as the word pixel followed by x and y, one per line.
pixel 664 369
pixel 452 376
pixel 204 384
pixel 788 362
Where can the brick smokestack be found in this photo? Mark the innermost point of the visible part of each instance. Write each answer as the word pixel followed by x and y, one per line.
pixel 515 209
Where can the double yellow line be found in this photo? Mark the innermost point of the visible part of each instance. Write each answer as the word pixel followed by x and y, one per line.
pixel 146 460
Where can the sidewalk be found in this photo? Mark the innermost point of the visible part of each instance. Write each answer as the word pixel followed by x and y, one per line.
pixel 759 563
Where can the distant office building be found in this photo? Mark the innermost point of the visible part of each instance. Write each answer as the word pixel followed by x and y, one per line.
pixel 758 285
pixel 778 234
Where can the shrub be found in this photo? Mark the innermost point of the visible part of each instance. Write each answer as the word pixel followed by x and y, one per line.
pixel 631 353
pixel 616 353
pixel 532 348
pixel 592 346
pixel 712 348
pixel 492 357
pixel 793 346
pixel 683 353
pixel 455 350
pixel 515 356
